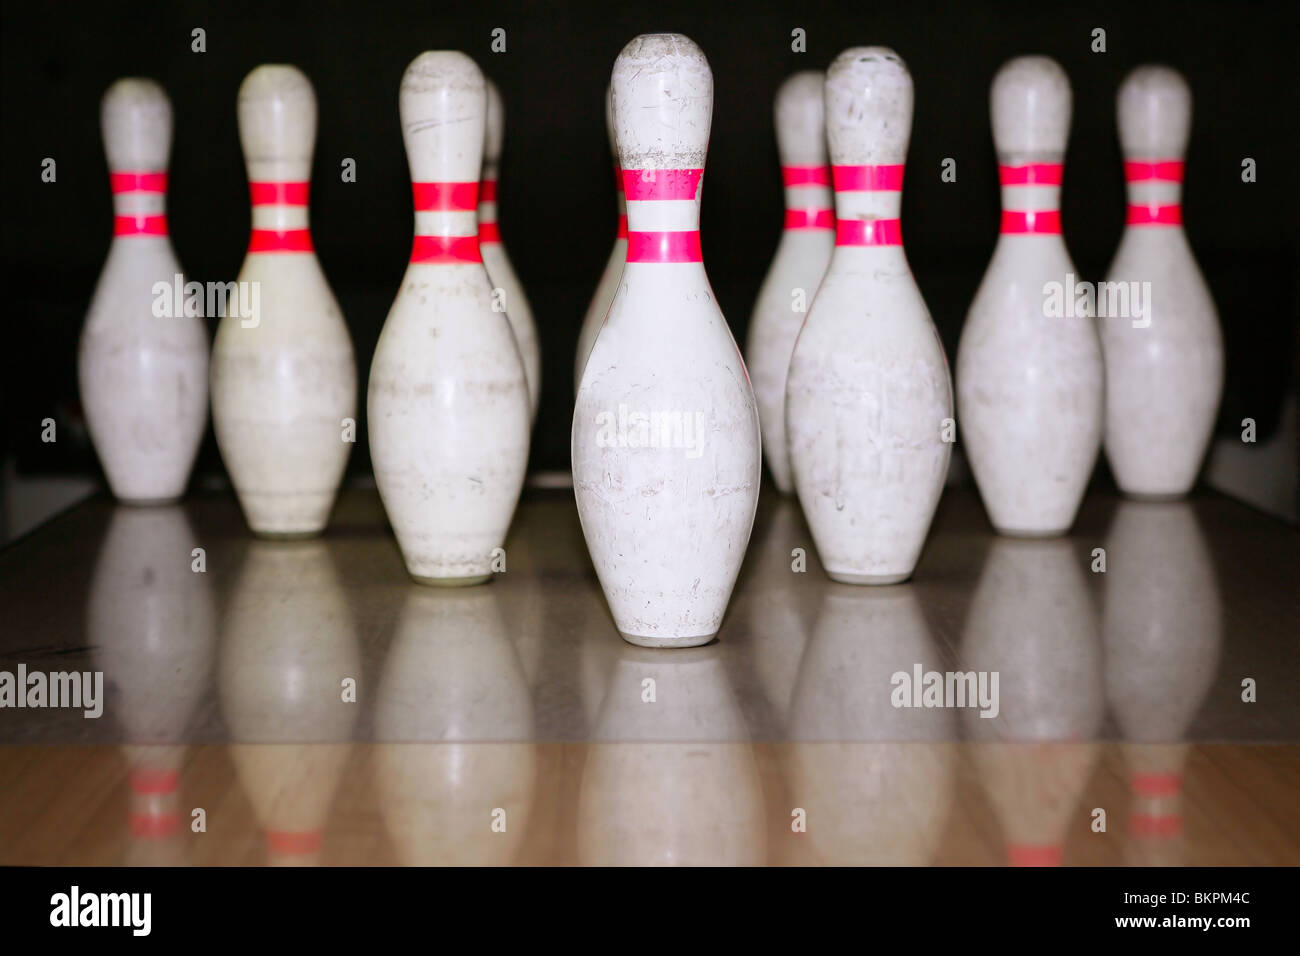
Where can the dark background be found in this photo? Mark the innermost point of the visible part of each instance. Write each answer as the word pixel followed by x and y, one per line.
pixel 556 194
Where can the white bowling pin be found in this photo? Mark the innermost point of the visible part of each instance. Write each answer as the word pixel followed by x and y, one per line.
pixel 284 381
pixel 1164 370
pixel 448 403
pixel 495 259
pixel 666 457
pixel 800 260
pixel 609 279
pixel 1029 382
pixel 143 376
pixel 869 394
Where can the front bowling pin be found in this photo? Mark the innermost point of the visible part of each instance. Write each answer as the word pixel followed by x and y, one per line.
pixel 800 261
pixel 495 260
pixel 868 397
pixel 143 376
pixel 1164 367
pixel 608 284
pixel 448 405
pixel 284 378
pixel 1029 375
pixel 666 459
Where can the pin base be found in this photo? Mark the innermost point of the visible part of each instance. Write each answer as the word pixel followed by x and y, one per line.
pixel 845 577
pixel 1155 496
pixel 287 535
pixel 1031 532
pixel 149 502
pixel 641 640
pixel 467 582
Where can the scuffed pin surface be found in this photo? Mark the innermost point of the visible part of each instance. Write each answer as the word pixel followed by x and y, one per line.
pixel 282 389
pixel 143 378
pixel 868 388
pixel 1029 385
pixel 448 401
pixel 666 527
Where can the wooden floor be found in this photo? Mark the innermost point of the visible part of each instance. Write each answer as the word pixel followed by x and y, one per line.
pixel 307 704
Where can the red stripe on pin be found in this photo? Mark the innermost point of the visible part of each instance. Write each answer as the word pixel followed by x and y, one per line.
pixel 806 175
pixel 862 179
pixel 644 185
pixel 487 190
pixel 146 780
pixel 1038 222
pixel 809 219
pixel 622 228
pixel 445 250
pixel 664 247
pixel 292 844
pixel 618 179
pixel 1021 854
pixel 489 232
pixel 868 232
pixel 1157 784
pixel 1154 215
pixel 279 194
pixel 280 240
pixel 1032 174
pixel 1165 170
pixel 138 182
pixel 139 225
pixel 154 826
pixel 445 197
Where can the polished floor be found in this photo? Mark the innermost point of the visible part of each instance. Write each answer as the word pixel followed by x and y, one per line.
pixel 306 703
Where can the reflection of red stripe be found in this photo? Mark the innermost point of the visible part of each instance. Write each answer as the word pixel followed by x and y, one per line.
pixel 809 219
pixel 154 826
pixel 1157 784
pixel 280 240
pixel 487 190
pixel 138 182
pixel 664 247
pixel 1166 170
pixel 279 194
pixel 1039 222
pixel 139 225
pixel 642 185
pixel 489 232
pixel 1032 174
pixel 289 843
pixel 868 178
pixel 806 175
pixel 1156 824
pixel 1155 215
pixel 622 227
pixel 1021 854
pixel 618 179
pixel 868 232
pixel 444 250
pixel 445 197
pixel 146 780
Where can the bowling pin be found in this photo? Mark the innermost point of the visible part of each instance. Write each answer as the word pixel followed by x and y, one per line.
pixel 666 458
pixel 143 376
pixel 801 259
pixel 1164 374
pixel 495 260
pixel 448 404
pixel 869 392
pixel 284 381
pixel 1029 383
pixel 609 279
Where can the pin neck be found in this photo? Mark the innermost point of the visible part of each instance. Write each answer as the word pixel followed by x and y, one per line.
pixel 868 204
pixel 1155 190
pixel 446 223
pixel 662 201
pixel 139 202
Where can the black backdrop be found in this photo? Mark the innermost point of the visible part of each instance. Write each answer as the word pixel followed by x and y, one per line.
pixel 556 191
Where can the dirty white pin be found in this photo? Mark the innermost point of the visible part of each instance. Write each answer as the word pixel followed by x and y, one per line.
pixel 1029 383
pixel 608 284
pixel 666 456
pixel 800 261
pixel 495 259
pixel 284 380
pixel 448 408
pixel 868 393
pixel 1164 373
pixel 143 376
